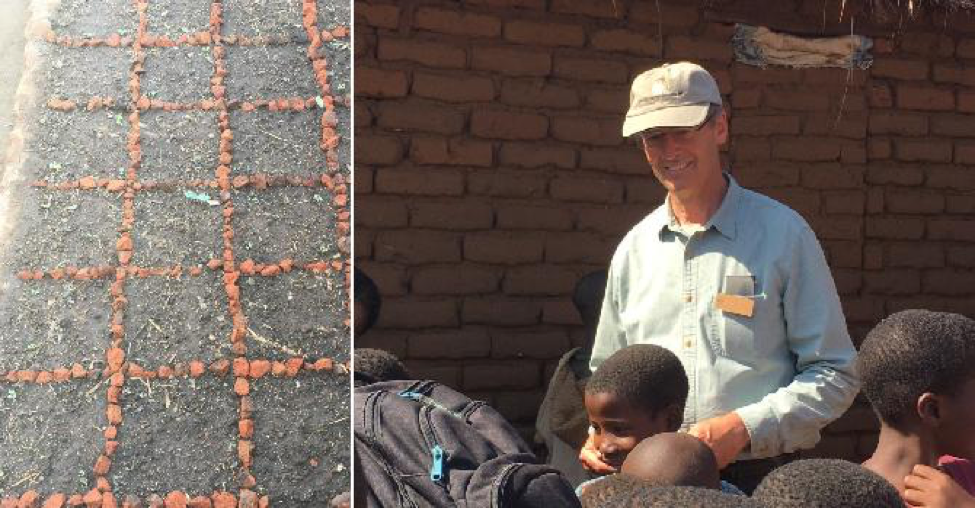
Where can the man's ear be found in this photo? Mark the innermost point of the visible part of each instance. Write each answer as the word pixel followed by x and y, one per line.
pixel 721 128
pixel 929 409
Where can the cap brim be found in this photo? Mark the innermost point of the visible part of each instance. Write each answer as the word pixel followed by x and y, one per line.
pixel 676 116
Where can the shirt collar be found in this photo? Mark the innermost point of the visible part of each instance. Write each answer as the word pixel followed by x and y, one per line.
pixel 724 220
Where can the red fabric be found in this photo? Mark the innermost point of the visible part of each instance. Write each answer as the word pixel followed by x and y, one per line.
pixel 962 470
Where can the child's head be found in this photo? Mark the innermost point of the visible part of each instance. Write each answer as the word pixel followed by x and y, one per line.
pixel 618 490
pixel 375 365
pixel 826 482
pixel 367 302
pixel 693 497
pixel 637 392
pixel 918 371
pixel 673 458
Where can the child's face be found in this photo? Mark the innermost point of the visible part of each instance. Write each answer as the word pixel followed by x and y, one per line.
pixel 958 420
pixel 619 426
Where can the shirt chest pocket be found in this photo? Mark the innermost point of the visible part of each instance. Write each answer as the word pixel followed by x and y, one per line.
pixel 734 334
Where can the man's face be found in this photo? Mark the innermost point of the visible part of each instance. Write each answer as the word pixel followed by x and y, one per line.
pixel 686 159
pixel 619 426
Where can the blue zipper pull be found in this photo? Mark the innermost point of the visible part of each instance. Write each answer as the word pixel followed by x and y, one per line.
pixel 436 470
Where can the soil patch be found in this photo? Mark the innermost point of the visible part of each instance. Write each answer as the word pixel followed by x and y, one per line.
pixel 252 18
pixel 282 223
pixel 179 74
pixel 179 145
pixel 277 142
pixel 171 228
pixel 261 72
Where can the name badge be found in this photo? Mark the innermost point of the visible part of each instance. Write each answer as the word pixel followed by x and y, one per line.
pixel 735 304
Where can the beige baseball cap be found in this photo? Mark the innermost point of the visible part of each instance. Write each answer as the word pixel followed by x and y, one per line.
pixel 672 95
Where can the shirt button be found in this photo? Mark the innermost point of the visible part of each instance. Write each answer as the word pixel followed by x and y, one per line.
pixel 688 342
pixel 688 298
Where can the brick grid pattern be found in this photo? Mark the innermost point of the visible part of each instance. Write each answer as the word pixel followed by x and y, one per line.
pixel 332 179
pixel 491 174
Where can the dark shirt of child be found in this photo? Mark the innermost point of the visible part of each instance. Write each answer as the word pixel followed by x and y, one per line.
pixel 826 482
pixel 918 372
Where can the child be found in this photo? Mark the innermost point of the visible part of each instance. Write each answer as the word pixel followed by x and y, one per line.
pixel 366 303
pixel 676 459
pixel 375 365
pixel 918 372
pixel 614 490
pixel 562 424
pixel 826 482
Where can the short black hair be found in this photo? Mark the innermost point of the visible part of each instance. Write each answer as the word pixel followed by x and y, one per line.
pixel 644 375
pixel 673 458
pixel 587 296
pixel 365 292
pixel 912 352
pixel 693 497
pixel 376 365
pixel 617 490
pixel 826 482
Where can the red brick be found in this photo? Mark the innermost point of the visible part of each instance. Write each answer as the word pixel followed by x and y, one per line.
pixel 618 40
pixel 452 22
pixel 952 125
pixel 925 98
pixel 954 74
pixel 965 48
pixel 501 312
pixel 680 47
pixel 853 152
pixel 927 150
pixel 462 279
pixel 768 76
pixel 951 282
pixel 835 78
pixel 966 102
pixel 428 53
pixel 873 256
pixel 895 175
pixel 380 212
pixel 928 44
pixel 961 204
pixel 560 312
pixel 804 201
pixel 915 255
pixel 524 216
pixel 594 190
pixel 751 149
pixel 548 345
pixel 848 282
pixel 459 215
pixel 537 5
pixel 880 96
pixel 961 256
pixel 578 247
pixel 837 227
pixel 900 229
pixel 610 220
pixel 844 202
pixel 764 175
pixel 534 93
pixel 449 375
pixel 644 190
pixel 608 100
pixel 361 114
pixel 379 150
pixel 512 60
pixel 906 124
pixel 539 280
pixel 843 253
pixel 467 342
pixel 796 101
pixel 373 82
pixel 364 42
pixel 452 87
pixel 765 125
pixel 868 309
pixel 832 176
pixel 453 151
pixel 507 183
pixel 587 130
pixel 363 240
pixel 410 313
pixel 377 15
pixel 590 69
pixel 589 8
pixel 964 153
pixel 390 278
pixel 364 176
pixel 503 248
pixel 879 149
pixel 533 155
pixel 416 247
pixel 501 124
pixel 418 115
pixel 892 282
pixel 914 201
pixel 849 125
pixel 912 70
pixel 960 230
pixel 746 99
pixel 670 14
pixel 625 159
pixel 424 182
pixel 509 375
pixel 519 406
pixel 387 340
pixel 806 149
pixel 521 31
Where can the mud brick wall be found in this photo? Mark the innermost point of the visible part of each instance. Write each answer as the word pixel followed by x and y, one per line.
pixel 491 175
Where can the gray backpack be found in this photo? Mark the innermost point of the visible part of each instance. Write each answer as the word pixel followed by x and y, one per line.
pixel 421 444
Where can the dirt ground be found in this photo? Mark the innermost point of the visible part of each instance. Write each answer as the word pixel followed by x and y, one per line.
pixel 174 254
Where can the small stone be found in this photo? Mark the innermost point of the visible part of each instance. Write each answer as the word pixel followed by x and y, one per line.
pixel 131 501
pixel 175 500
pixel 246 428
pixel 259 368
pixel 293 366
pixel 29 499
pixel 343 500
pixel 248 499
pixel 114 414
pixel 115 358
pixel 241 387
pixel 93 499
pixel 56 500
pixel 197 368
pixel 241 367
pixel 224 500
pixel 244 449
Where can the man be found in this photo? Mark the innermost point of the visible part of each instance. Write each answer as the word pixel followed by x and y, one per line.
pixel 733 282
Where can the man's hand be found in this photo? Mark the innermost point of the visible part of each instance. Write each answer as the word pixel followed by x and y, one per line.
pixel 726 435
pixel 929 487
pixel 592 460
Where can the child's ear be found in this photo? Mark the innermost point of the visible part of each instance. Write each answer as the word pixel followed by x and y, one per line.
pixel 675 417
pixel 929 409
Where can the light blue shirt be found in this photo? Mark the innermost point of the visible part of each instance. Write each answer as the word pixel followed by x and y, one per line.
pixel 788 370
